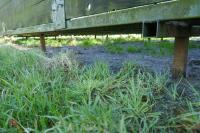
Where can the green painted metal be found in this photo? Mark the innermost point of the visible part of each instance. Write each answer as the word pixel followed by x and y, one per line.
pixel 78 8
pixel 31 16
pixel 175 10
pixel 50 16
pixel 24 13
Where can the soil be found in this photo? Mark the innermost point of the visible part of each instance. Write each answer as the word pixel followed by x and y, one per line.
pixel 87 56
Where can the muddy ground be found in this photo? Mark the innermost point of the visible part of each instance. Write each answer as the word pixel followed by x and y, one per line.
pixel 88 56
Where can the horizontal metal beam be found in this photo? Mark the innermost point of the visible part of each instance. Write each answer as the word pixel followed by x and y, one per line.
pixel 78 8
pixel 175 10
pixel 123 21
pixel 32 29
pixel 55 15
pixel 120 29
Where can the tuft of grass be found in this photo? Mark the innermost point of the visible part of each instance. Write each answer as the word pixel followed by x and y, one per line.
pixel 112 44
pixel 163 48
pixel 89 42
pixel 132 49
pixel 35 42
pixel 115 49
pixel 194 45
pixel 76 41
pixel 40 94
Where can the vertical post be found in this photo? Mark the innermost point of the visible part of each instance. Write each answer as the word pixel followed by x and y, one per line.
pixel 180 57
pixel 107 37
pixel 42 42
pixel 149 40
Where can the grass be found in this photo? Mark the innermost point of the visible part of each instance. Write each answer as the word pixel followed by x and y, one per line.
pixel 115 49
pixel 75 41
pixel 39 94
pixel 132 49
pixel 34 42
pixel 164 48
pixel 89 42
pixel 113 44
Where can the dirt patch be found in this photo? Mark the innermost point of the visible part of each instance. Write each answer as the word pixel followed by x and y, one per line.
pixel 88 56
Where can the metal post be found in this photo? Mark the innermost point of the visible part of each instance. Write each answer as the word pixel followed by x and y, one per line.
pixel 42 42
pixel 180 57
pixel 107 37
pixel 149 40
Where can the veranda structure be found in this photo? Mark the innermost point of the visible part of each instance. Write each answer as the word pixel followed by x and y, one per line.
pixel 151 18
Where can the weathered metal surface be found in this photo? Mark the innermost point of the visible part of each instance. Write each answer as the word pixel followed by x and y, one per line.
pixel 170 29
pixel 78 8
pixel 120 29
pixel 149 29
pixel 52 17
pixel 175 10
pixel 24 13
pixel 58 13
pixel 32 29
pixel 31 16
pixel 180 57
pixel 168 11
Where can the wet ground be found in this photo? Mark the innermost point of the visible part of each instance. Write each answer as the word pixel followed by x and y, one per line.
pixel 88 56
